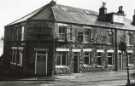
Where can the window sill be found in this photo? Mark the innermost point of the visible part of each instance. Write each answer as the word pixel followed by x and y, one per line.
pixel 110 65
pixel 99 66
pixel 61 40
pixel 87 65
pixel 16 64
pixel 61 66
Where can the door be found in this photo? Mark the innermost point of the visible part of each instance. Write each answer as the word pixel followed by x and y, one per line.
pixel 76 62
pixel 41 62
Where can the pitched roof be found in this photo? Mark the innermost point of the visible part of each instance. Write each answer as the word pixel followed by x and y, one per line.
pixel 69 14
pixel 26 17
pixel 87 17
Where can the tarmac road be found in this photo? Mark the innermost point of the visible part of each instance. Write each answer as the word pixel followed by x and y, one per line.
pixel 77 79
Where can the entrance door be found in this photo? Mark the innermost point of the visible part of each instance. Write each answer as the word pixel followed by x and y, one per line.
pixel 41 62
pixel 76 62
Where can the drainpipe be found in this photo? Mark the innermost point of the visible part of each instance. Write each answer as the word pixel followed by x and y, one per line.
pixel 115 50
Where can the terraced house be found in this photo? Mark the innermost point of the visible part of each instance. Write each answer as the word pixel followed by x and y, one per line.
pixel 61 39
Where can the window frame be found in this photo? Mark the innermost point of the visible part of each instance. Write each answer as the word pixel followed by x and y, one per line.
pixel 62 55
pixel 108 57
pixel 99 56
pixel 88 57
pixel 17 52
pixel 80 36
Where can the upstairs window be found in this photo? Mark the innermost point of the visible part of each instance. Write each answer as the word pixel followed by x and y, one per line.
pixel 80 36
pixel 69 34
pixel 22 33
pixel 86 36
pixel 62 33
pixel 130 38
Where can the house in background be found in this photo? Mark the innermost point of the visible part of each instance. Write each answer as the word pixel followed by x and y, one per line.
pixel 62 39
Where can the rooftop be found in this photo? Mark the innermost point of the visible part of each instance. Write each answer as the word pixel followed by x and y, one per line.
pixel 67 14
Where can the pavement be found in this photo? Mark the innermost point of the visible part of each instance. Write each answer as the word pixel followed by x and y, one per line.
pixel 110 78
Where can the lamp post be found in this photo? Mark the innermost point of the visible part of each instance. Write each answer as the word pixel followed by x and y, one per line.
pixel 123 48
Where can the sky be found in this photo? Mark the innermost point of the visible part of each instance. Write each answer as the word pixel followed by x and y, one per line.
pixel 14 9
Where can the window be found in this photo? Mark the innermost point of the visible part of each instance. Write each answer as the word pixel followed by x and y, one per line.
pixel 99 58
pixel 17 55
pixel 130 38
pixel 87 58
pixel 110 58
pixel 80 36
pixel 69 34
pixel 62 58
pixel 86 36
pixel 22 33
pixel 61 33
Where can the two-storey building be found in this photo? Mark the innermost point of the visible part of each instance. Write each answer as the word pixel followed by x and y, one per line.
pixel 62 39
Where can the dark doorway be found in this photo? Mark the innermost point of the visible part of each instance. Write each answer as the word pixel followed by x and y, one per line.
pixel 76 62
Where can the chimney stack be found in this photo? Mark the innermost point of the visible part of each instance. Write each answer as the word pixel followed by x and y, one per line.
pixel 102 12
pixel 120 11
pixel 103 9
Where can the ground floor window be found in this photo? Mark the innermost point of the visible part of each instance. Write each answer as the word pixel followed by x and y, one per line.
pixel 16 55
pixel 110 58
pixel 87 58
pixel 62 58
pixel 99 58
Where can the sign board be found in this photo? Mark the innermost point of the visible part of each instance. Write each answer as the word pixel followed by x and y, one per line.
pixel 118 19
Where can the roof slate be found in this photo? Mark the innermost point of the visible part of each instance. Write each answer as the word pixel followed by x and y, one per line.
pixel 73 15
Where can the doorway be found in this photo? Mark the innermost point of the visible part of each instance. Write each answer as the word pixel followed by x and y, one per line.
pixel 76 62
pixel 41 61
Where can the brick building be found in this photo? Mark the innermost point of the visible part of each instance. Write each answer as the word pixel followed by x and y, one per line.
pixel 62 39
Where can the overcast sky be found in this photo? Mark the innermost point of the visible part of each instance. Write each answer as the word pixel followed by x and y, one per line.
pixel 14 9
